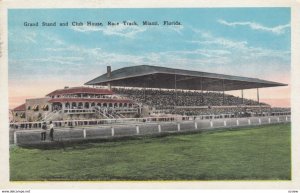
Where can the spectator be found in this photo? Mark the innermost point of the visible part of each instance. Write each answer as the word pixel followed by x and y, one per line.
pixel 43 133
pixel 51 126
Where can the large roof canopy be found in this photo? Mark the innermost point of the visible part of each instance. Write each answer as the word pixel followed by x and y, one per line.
pixel 161 77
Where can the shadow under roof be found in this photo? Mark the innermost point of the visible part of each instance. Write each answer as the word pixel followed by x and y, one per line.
pixel 162 77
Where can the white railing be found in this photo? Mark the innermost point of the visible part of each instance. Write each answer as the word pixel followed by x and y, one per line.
pixel 145 127
pixel 91 122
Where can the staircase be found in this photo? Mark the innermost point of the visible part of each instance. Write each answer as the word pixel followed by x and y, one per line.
pixel 100 112
pixel 51 115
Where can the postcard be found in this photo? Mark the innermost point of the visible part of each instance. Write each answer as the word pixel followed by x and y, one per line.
pixel 183 95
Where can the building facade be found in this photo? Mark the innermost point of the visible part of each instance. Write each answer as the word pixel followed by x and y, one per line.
pixel 76 103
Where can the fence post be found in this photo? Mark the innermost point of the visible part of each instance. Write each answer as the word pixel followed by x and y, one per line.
pixel 225 123
pixel 137 130
pixel 249 122
pixel 211 124
pixel 84 133
pixel 259 121
pixel 196 125
pixel 237 122
pixel 178 126
pixel 15 138
pixel 286 118
pixel 112 131
pixel 278 119
pixel 269 120
pixel 159 128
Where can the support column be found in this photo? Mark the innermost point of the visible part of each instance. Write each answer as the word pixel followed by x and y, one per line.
pixel 108 86
pixel 63 106
pixel 242 92
pixel 202 97
pixel 223 88
pixel 257 95
pixel 175 86
pixel 144 91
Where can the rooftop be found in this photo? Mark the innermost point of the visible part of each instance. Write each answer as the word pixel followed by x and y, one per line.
pixel 170 78
pixel 22 107
pixel 79 90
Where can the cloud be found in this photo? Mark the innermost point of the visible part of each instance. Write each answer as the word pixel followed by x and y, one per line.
pixel 24 37
pixel 48 60
pixel 239 49
pixel 280 29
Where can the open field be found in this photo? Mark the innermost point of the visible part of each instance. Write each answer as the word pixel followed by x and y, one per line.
pixel 256 153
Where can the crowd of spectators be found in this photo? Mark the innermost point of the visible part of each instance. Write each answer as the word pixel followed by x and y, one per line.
pixel 235 111
pixel 164 98
pixel 192 103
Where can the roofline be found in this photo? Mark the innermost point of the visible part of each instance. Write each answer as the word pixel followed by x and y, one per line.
pixel 229 77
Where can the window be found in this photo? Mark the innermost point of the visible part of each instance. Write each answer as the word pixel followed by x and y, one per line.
pixel 35 107
pixel 46 107
pixel 22 115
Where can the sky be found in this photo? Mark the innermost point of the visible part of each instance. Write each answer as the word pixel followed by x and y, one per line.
pixel 251 42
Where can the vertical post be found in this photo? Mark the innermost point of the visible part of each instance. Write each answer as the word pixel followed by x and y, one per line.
pixel 201 85
pixel 286 118
pixel 144 91
pixel 211 123
pixel 278 119
pixel 237 122
pixel 223 88
pixel 15 138
pixel 249 122
pixel 225 123
pixel 108 74
pixel 242 96
pixel 259 121
pixel 137 130
pixel 269 120
pixel 257 91
pixel 178 126
pixel 84 133
pixel 196 125
pixel 175 85
pixel 112 131
pixel 159 128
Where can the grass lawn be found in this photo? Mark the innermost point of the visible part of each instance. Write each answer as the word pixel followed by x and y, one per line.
pixel 257 153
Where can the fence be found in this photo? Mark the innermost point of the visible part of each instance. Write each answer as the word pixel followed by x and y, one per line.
pixel 93 122
pixel 142 128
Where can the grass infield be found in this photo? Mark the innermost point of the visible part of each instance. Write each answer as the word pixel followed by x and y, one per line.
pixel 256 153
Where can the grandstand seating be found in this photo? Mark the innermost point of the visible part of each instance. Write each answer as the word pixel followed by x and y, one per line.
pixel 160 98
pixel 165 101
